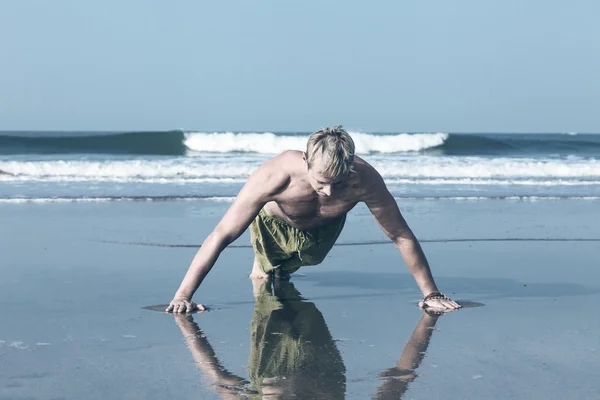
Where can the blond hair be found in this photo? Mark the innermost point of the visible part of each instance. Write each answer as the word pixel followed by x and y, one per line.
pixel 334 147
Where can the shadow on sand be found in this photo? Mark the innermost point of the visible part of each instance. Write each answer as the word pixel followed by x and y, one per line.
pixel 482 288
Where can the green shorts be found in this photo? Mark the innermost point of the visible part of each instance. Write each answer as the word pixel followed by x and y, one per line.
pixel 279 245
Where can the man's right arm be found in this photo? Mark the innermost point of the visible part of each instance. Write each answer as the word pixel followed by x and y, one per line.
pixel 268 180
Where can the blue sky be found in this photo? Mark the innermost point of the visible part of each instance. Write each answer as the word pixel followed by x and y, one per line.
pixel 451 66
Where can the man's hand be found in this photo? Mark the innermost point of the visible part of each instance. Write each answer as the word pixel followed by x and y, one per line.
pixel 183 305
pixel 437 303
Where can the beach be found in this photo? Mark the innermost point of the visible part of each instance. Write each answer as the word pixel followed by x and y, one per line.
pixel 78 282
pixel 128 130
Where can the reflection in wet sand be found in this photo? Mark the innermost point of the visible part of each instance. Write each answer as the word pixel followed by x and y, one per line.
pixel 293 353
pixel 292 350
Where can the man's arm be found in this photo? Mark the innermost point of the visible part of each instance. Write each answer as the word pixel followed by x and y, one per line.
pixel 268 180
pixel 384 208
pixel 396 379
pixel 226 384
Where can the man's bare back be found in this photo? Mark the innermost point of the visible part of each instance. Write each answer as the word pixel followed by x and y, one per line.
pixel 295 187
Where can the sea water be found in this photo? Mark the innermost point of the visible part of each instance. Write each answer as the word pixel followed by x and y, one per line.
pixel 187 165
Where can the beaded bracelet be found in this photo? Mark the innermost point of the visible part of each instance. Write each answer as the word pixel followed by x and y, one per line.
pixel 436 296
pixel 432 313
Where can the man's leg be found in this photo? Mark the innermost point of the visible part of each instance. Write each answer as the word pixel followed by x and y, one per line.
pixel 257 272
pixel 280 274
pixel 277 273
pixel 260 286
pixel 274 256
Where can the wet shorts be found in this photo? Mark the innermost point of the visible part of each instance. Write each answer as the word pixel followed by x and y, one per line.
pixel 279 245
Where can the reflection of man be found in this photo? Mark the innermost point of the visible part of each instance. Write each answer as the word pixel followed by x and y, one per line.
pixel 292 349
pixel 293 353
pixel 396 379
pixel 295 205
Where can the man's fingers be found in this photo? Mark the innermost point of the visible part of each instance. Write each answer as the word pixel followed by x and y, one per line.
pixel 440 305
pixel 185 308
pixel 450 305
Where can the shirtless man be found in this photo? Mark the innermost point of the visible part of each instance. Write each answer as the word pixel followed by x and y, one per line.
pixel 295 205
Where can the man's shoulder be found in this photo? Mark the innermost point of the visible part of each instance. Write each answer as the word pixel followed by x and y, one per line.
pixel 365 170
pixel 290 155
pixel 274 175
pixel 369 180
pixel 283 163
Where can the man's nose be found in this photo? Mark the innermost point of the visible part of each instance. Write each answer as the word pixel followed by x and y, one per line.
pixel 326 190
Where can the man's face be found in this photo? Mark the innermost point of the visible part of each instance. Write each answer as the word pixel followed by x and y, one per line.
pixel 323 185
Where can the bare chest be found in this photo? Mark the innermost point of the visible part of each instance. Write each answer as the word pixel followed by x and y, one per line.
pixel 306 211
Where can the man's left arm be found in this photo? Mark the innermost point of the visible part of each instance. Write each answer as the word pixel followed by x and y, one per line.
pixel 384 208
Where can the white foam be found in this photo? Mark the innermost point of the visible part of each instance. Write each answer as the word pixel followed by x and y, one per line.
pixel 268 143
pixel 43 200
pixel 18 345
pixel 476 167
pixel 500 182
pixel 518 198
pixel 122 171
pixel 230 170
pixel 21 200
pixel 229 199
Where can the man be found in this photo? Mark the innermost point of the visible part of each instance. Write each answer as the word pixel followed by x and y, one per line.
pixel 296 205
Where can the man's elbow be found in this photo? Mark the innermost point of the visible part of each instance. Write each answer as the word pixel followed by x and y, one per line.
pixel 216 241
pixel 221 238
pixel 404 239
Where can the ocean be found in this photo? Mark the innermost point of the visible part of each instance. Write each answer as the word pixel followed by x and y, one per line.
pixel 186 165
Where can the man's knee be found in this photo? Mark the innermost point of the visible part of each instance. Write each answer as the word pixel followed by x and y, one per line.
pixel 315 258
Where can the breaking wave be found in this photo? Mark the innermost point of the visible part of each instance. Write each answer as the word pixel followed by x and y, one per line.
pixel 180 143
pixel 269 143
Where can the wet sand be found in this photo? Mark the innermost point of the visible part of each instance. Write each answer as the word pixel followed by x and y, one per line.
pixel 73 322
